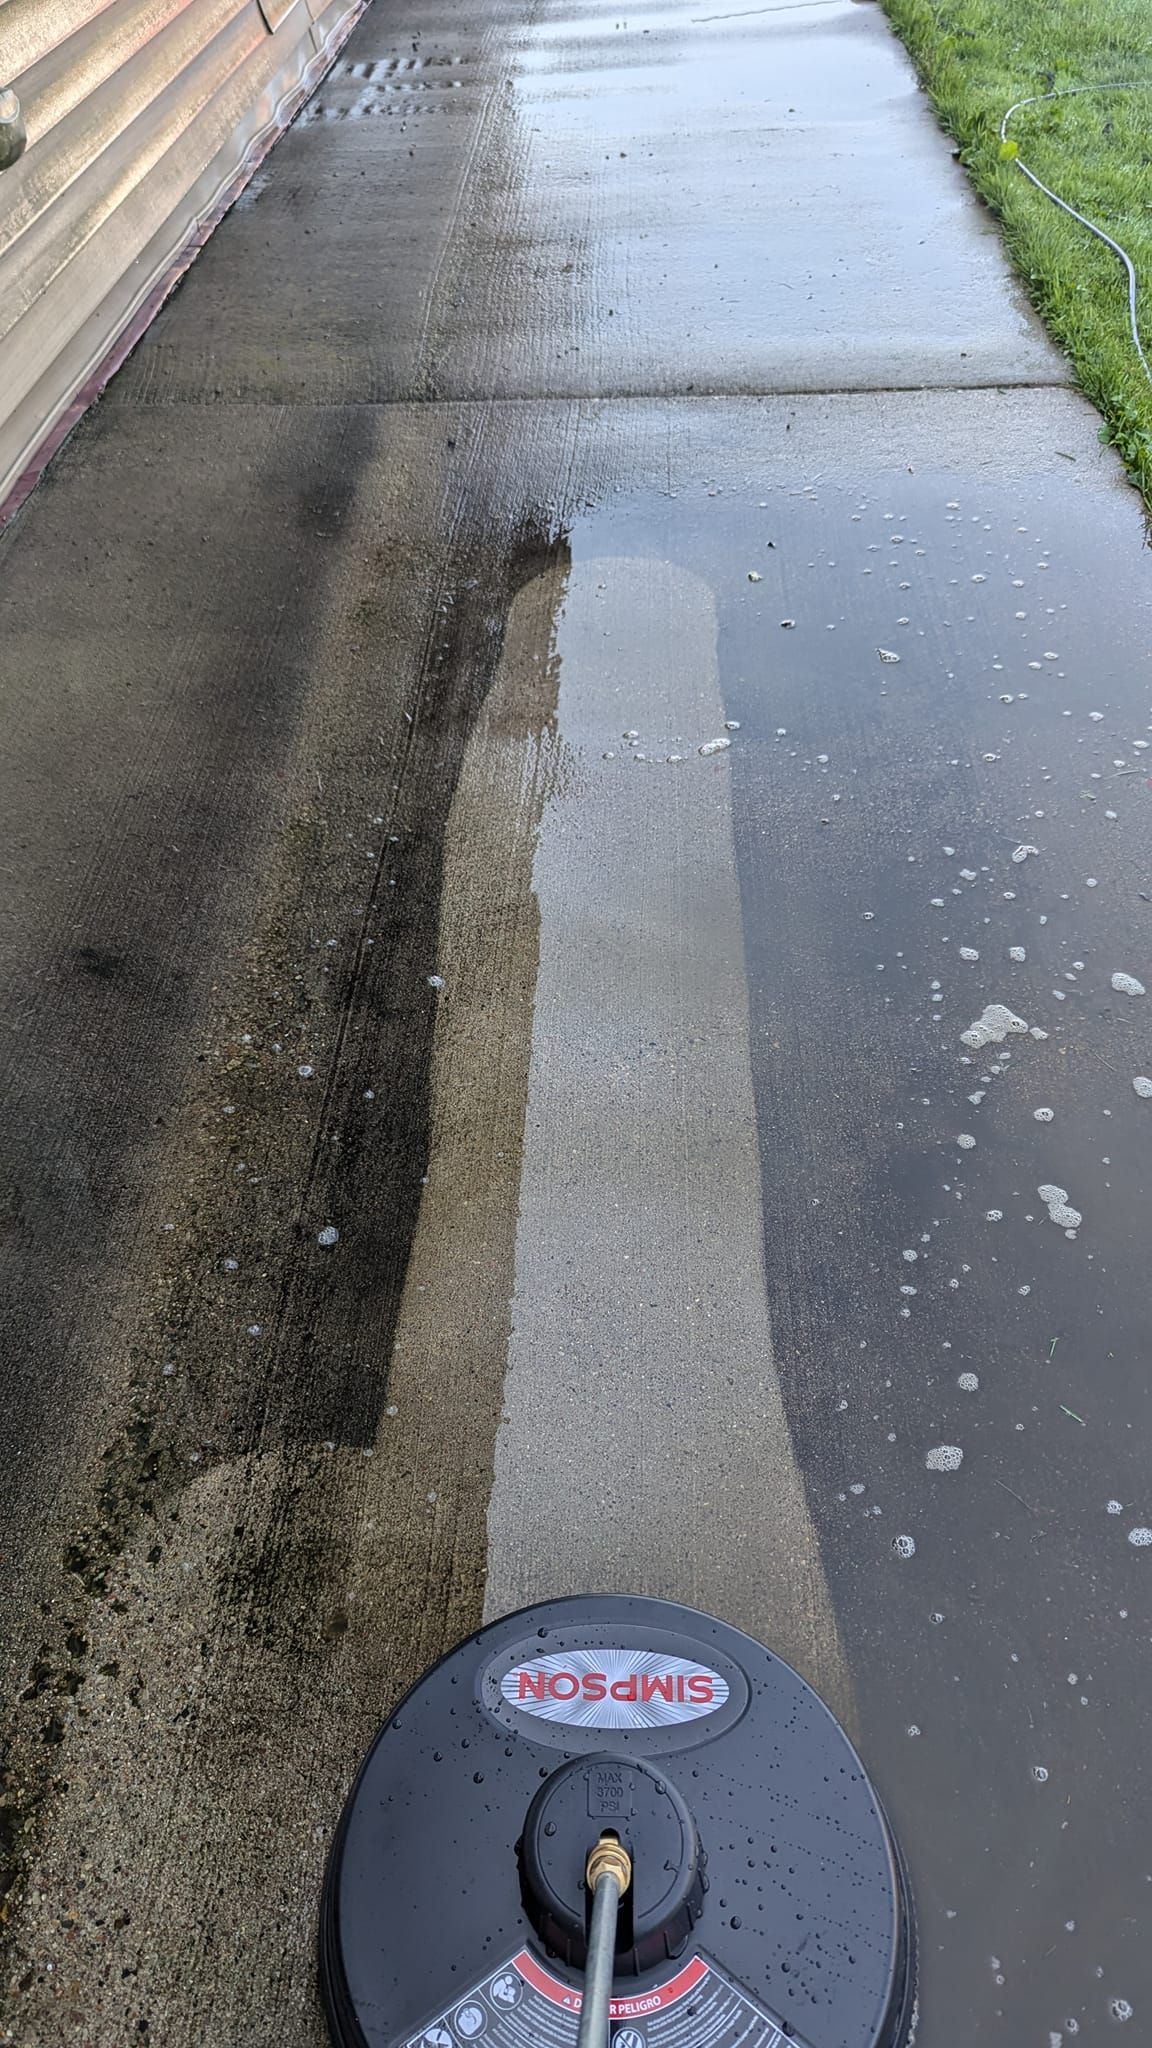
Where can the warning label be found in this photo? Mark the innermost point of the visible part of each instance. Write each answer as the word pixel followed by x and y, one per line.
pixel 522 2005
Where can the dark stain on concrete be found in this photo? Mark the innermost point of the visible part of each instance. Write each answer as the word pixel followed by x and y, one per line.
pixel 295 1350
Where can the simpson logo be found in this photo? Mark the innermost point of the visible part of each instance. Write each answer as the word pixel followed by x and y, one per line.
pixel 614 1689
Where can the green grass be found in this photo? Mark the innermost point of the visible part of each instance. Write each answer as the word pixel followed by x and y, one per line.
pixel 976 57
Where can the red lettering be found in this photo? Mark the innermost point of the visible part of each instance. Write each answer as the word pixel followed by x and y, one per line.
pixel 681 1695
pixel 700 1689
pixel 563 1685
pixel 624 1688
pixel 532 1685
pixel 652 1688
pixel 595 1685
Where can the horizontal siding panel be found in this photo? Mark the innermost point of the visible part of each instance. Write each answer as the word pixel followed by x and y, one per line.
pixel 70 292
pixel 111 136
pixel 147 110
pixel 50 89
pixel 30 28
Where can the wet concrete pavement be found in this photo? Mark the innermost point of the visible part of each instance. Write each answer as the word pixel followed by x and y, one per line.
pixel 363 876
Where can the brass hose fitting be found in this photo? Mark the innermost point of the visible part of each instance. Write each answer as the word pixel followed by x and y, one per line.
pixel 609 1859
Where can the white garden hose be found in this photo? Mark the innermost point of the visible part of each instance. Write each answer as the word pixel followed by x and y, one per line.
pixel 1068 92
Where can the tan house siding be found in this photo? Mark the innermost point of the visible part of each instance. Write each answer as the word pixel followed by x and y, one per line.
pixel 143 117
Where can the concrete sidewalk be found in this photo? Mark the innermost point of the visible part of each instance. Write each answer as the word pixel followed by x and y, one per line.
pixel 569 391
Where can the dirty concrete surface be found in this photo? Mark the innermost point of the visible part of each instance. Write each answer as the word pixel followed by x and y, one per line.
pixel 462 1142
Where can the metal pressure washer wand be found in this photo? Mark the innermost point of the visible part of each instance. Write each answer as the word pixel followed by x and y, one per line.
pixel 608 1876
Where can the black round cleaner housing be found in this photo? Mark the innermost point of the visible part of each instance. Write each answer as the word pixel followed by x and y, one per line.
pixel 767 1903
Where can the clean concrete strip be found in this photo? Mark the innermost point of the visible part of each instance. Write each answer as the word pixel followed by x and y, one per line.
pixel 645 1446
